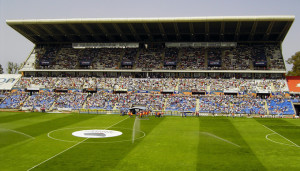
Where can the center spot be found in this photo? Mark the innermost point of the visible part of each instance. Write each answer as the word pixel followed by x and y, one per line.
pixel 96 133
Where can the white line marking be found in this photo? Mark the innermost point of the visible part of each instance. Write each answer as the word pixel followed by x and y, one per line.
pixel 71 147
pixel 267 137
pixel 18 132
pixel 288 125
pixel 57 154
pixel 280 135
pixel 212 135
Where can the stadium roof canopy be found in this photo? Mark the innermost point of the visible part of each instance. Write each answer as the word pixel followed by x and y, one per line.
pixel 192 29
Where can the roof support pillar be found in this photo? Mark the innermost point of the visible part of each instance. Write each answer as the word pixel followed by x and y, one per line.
pixel 191 26
pixel 103 29
pixel 178 37
pixel 82 37
pixel 148 31
pixel 253 30
pixel 91 32
pixel 222 30
pixel 237 31
pixel 162 31
pixel 63 32
pixel 46 29
pixel 267 34
pixel 117 28
pixel 133 31
pixel 37 32
pixel 207 31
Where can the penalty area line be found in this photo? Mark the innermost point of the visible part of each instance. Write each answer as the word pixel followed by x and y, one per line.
pixel 280 135
pixel 222 139
pixel 70 148
pixel 18 132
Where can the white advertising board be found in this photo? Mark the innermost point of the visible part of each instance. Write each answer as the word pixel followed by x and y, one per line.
pixel 7 81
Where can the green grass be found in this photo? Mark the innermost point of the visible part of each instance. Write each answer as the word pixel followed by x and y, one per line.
pixel 170 143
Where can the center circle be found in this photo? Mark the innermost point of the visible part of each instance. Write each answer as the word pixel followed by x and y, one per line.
pixel 97 133
pixel 65 135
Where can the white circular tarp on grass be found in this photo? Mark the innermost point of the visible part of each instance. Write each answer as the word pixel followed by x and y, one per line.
pixel 96 133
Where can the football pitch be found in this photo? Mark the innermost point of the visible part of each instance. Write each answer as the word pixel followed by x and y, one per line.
pixel 38 141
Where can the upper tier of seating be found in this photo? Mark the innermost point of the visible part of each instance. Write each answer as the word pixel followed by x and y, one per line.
pixel 242 57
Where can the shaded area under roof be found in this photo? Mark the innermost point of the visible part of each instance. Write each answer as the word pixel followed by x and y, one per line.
pixel 189 29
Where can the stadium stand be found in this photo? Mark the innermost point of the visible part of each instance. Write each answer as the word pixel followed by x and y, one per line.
pixel 170 59
pixel 105 98
pixel 129 58
pixel 237 58
pixel 70 101
pixel 214 56
pixel 2 97
pixel 43 100
pixel 101 101
pixel 242 57
pixel 181 103
pixel 280 106
pixel 279 85
pixel 14 100
pixel 295 98
pixel 150 58
pixel 204 68
pixel 192 59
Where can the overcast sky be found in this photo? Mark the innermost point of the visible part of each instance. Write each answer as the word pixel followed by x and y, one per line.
pixel 14 47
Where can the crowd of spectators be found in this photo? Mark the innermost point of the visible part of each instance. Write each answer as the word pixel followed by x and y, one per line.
pixel 214 57
pixel 275 56
pixel 67 58
pixel 138 83
pixel 109 58
pixel 280 106
pixel 295 98
pixel 3 95
pixel 241 57
pixel 192 59
pixel 70 100
pixel 106 100
pixel 129 58
pixel 207 104
pixel 259 57
pixel 45 57
pixel 181 103
pixel 46 82
pixel 41 100
pixel 14 100
pixel 150 58
pixel 238 58
pixel 70 58
pixel 101 100
pixel 171 58
pixel 237 85
pixel 180 84
pixel 75 83
pixel 150 101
